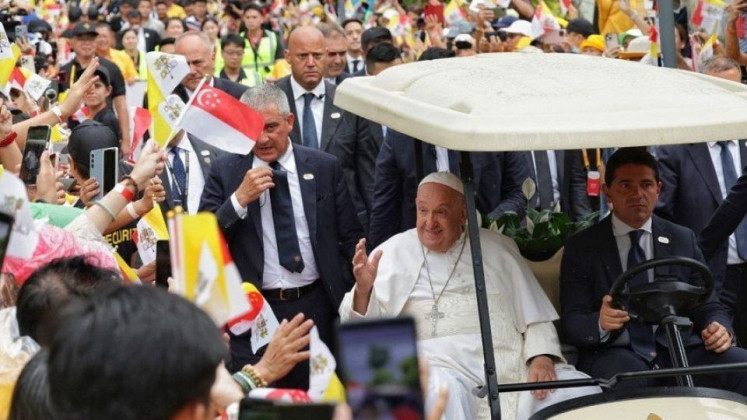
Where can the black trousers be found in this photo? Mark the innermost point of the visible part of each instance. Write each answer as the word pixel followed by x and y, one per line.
pixel 612 360
pixel 734 297
pixel 315 305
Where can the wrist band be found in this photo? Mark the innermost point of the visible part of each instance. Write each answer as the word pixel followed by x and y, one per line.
pixel 106 209
pixel 10 138
pixel 256 378
pixel 126 193
pixel 132 180
pixel 131 211
pixel 245 381
pixel 58 112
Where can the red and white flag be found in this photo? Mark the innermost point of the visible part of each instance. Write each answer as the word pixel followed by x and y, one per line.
pixel 221 120
pixel 138 126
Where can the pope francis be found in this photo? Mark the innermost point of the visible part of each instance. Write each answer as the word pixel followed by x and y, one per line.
pixel 426 273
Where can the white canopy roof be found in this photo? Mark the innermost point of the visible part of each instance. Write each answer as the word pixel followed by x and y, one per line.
pixel 519 101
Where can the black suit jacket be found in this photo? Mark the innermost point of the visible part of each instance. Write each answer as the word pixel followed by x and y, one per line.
pixel 690 193
pixel 232 88
pixel 333 227
pixel 725 220
pixel 498 179
pixel 591 263
pixel 332 114
pixel 206 155
pixel 573 199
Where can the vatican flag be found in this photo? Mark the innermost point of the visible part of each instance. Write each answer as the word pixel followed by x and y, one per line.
pixel 151 228
pixel 165 72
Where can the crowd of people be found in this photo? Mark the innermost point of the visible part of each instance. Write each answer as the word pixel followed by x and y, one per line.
pixel 328 216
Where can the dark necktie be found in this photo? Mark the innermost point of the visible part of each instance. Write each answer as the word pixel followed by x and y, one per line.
pixel 544 180
pixel 179 178
pixel 309 126
pixel 289 252
pixel 730 178
pixel 355 65
pixel 641 335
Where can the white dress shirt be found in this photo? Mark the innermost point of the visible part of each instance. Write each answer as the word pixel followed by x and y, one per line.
pixel 621 232
pixel 195 180
pixel 317 106
pixel 715 150
pixel 350 60
pixel 274 275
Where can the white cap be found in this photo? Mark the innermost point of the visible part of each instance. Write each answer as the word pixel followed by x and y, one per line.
pixel 444 178
pixel 465 38
pixel 521 27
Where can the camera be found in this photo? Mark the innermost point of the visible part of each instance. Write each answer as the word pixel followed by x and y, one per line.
pixel 51 95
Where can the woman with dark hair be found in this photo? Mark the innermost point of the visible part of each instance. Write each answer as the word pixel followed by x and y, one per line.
pixel 31 394
pixel 212 28
pixel 129 46
pixel 175 27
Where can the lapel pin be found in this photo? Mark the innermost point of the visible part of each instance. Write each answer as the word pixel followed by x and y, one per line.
pixel 335 115
pixel 308 177
pixel 663 239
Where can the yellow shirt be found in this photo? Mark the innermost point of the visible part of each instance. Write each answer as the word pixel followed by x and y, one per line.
pixel 176 11
pixel 125 64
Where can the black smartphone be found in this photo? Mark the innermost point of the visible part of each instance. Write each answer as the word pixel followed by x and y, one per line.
pixel 163 263
pixel 6 226
pixel 37 142
pixel 104 168
pixel 381 377
pixel 263 409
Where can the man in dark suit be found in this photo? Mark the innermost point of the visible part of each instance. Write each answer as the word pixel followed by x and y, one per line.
pixel 337 49
pixel 695 179
pixel 188 164
pixel 289 223
pixel 555 184
pixel 728 218
pixel 311 98
pixel 200 54
pixel 498 179
pixel 610 341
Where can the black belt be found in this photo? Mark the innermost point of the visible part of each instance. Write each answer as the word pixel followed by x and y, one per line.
pixel 289 294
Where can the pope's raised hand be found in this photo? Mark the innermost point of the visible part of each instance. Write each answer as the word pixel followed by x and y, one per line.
pixel 364 269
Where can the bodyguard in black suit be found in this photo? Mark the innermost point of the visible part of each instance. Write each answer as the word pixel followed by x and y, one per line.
pixel 562 186
pixel 498 179
pixel 199 51
pixel 290 225
pixel 179 189
pixel 728 218
pixel 609 341
pixel 693 186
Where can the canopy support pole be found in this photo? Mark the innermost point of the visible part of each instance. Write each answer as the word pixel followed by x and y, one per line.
pixel 666 33
pixel 491 378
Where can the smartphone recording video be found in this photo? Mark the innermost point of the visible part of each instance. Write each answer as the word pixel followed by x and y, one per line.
pixel 381 376
pixel 6 226
pixel 37 142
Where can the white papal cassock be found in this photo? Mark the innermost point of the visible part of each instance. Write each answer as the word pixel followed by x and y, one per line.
pixel 520 317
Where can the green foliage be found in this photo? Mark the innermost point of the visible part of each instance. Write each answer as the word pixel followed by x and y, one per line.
pixel 542 233
pixel 410 372
pixel 378 356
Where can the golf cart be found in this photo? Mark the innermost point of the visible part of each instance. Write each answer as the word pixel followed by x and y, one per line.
pixel 523 101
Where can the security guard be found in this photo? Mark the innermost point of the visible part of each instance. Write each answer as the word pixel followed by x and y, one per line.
pixel 262 48
pixel 232 51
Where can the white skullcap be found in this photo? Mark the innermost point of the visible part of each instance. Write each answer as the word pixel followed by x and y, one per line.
pixel 444 178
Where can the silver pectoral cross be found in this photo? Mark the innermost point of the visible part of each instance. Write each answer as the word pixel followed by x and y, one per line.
pixel 434 316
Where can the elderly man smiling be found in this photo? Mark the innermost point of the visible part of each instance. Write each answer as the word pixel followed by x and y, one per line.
pixel 426 273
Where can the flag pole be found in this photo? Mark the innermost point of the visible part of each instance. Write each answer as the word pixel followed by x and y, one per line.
pixel 175 128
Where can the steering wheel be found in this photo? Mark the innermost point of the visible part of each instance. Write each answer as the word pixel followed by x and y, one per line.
pixel 664 296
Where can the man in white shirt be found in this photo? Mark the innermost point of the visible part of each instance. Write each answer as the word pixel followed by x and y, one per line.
pixel 289 223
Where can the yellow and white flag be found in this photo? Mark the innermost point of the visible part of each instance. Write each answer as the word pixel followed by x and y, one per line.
pixel 262 321
pixel 322 367
pixel 151 228
pixel 128 274
pixel 9 54
pixel 202 268
pixel 165 72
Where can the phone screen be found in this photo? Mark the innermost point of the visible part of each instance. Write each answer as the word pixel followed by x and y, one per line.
pixel 611 40
pixel 381 375
pixel 22 31
pixel 36 142
pixel 163 264
pixel 110 169
pixel 6 226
